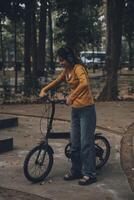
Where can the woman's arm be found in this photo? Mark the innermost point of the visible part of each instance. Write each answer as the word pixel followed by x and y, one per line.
pixel 83 82
pixel 52 84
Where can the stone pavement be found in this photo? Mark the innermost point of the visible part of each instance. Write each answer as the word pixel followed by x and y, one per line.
pixel 112 183
pixel 6 194
pixel 127 154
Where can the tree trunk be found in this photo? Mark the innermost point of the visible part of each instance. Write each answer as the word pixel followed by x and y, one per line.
pixel 114 34
pixel 34 39
pixel 2 50
pixel 130 54
pixel 15 58
pixel 52 68
pixel 42 39
pixel 27 46
pixel 72 27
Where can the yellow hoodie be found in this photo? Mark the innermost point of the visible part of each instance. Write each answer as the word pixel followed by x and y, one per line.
pixel 78 81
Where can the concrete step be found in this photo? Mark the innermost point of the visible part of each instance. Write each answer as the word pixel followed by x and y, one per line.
pixel 8 121
pixel 6 144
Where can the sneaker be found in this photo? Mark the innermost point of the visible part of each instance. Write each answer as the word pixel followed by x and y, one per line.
pixel 70 177
pixel 86 180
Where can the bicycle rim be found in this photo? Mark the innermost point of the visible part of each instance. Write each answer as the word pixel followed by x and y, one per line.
pixel 102 148
pixel 38 164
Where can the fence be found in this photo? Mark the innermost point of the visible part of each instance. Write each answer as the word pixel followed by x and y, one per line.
pixel 125 87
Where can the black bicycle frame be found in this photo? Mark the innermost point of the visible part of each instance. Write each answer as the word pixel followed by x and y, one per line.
pixel 49 127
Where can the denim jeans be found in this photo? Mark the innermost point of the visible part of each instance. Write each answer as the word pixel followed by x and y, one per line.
pixel 83 124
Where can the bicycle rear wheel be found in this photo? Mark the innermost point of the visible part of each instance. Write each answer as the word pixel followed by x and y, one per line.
pixel 67 150
pixel 102 149
pixel 38 163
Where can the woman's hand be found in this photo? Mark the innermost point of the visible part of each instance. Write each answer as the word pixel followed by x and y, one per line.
pixel 69 101
pixel 42 93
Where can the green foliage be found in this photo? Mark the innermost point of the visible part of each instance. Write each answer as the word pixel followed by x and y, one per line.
pixel 78 23
pixel 6 87
pixel 8 40
pixel 131 87
pixel 31 86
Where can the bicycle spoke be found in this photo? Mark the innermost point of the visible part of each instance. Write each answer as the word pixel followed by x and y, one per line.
pixel 102 149
pixel 38 167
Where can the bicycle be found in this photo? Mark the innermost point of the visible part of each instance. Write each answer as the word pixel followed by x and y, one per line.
pixel 39 161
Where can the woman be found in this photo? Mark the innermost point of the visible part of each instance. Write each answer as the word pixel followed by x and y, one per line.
pixel 83 117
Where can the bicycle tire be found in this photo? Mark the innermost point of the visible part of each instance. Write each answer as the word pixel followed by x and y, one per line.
pixel 40 150
pixel 102 153
pixel 67 150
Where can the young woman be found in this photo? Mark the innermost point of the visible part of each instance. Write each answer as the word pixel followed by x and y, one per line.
pixel 83 117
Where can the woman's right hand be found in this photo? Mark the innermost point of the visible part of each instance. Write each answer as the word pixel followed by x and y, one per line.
pixel 42 93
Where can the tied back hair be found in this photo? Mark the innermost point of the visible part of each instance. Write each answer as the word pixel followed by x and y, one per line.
pixel 68 54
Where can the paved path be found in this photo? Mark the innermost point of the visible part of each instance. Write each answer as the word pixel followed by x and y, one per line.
pixel 12 194
pixel 112 183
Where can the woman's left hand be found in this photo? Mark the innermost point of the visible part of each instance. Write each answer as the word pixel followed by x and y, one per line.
pixel 69 101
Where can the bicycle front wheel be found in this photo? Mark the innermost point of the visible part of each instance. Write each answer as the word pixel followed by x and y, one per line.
pixel 38 163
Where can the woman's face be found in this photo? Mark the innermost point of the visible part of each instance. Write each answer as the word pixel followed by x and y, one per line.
pixel 63 62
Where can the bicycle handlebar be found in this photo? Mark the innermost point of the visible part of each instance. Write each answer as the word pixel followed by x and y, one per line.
pixel 51 99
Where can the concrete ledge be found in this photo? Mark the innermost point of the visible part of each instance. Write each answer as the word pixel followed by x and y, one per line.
pixel 6 122
pixel 127 155
pixel 13 194
pixel 6 144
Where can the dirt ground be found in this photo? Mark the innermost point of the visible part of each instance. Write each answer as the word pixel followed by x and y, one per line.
pixel 113 116
pixel 113 119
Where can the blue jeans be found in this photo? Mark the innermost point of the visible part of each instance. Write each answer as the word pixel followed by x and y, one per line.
pixel 83 124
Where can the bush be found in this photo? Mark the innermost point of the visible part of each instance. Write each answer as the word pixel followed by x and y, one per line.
pixel 31 86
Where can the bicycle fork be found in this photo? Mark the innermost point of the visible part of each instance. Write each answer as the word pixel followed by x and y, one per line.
pixel 45 148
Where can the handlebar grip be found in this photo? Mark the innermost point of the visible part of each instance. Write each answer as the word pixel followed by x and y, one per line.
pixel 51 99
pixel 60 101
pixel 44 99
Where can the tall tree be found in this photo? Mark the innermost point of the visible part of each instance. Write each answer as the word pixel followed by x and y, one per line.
pixel 1 46
pixel 34 38
pixel 27 43
pixel 42 38
pixel 68 22
pixel 13 11
pixel 78 23
pixel 72 25
pixel 128 29
pixel 14 16
pixel 114 34
pixel 50 37
pixel 91 34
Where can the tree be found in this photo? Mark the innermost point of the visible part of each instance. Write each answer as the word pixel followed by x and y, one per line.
pixel 114 34
pixel 1 46
pixel 92 23
pixel 78 23
pixel 68 22
pixel 15 15
pixel 128 29
pixel 50 37
pixel 13 11
pixel 42 38
pixel 34 38
pixel 27 44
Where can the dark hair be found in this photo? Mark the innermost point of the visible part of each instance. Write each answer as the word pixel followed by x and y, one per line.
pixel 68 54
